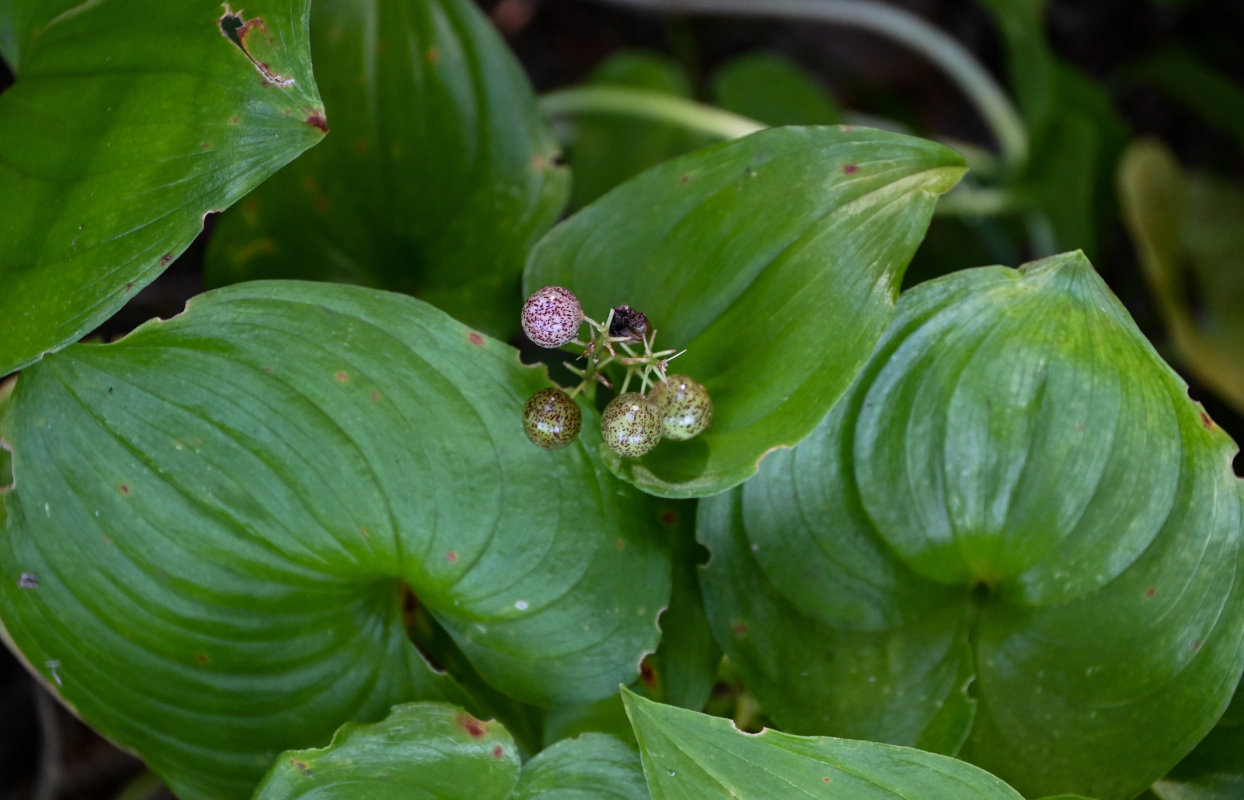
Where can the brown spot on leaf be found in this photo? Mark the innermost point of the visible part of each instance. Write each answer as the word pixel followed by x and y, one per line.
pixel 302 767
pixel 475 339
pixel 316 119
pixel 342 376
pixel 320 203
pixel 739 629
pixel 375 397
pixel 648 675
pixel 129 286
pixel 234 120
pixel 498 752
pixel 360 147
pixel 451 557
pixel 201 658
pixel 1206 421
pixel 124 488
pixel 684 178
pixel 432 55
pixel 165 259
pixel 474 727
pixel 1149 592
pixel 669 516
pixel 620 544
pixel 243 34
pixel 267 370
pixel 1196 645
pixel 364 532
pixel 850 169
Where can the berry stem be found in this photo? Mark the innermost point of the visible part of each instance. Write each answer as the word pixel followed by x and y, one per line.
pixel 603 349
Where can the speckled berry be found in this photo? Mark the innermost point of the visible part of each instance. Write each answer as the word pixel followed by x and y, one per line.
pixel 552 317
pixel 684 405
pixel 551 419
pixel 631 425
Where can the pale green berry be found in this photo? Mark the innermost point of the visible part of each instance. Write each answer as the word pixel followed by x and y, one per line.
pixel 631 425
pixel 551 419
pixel 552 317
pixel 684 404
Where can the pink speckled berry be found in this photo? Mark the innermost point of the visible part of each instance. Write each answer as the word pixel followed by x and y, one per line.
pixel 631 424
pixel 552 316
pixel 684 404
pixel 551 419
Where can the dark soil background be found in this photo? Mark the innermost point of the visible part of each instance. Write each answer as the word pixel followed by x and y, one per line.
pixel 45 753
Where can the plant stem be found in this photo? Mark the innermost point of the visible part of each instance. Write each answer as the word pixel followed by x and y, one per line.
pixel 902 26
pixel 651 105
pixel 965 201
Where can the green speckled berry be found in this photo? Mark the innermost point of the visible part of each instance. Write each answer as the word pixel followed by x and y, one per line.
pixel 684 404
pixel 551 419
pixel 631 425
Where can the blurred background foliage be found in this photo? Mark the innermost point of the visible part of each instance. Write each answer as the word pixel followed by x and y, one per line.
pixel 1129 146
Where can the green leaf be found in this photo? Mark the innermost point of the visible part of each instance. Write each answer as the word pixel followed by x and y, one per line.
pixel 859 664
pixel 1189 234
pixel 1075 133
pixel 128 123
pixel 604 716
pixel 592 767
pixel 772 89
pixel 1214 97
pixel 684 668
pixel 607 149
pixel 773 259
pixel 691 755
pixel 220 511
pixel 1215 769
pixel 437 179
pixel 421 751
pixel 434 750
pixel 1016 494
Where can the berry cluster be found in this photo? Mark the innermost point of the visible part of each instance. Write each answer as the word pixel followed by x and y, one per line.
pixel 670 406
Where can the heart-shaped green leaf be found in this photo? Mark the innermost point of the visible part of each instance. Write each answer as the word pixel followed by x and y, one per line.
pixel 773 259
pixel 692 755
pixel 213 519
pixel 127 124
pixel 594 766
pixel 433 751
pixel 438 177
pixel 421 751
pixel 1016 494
